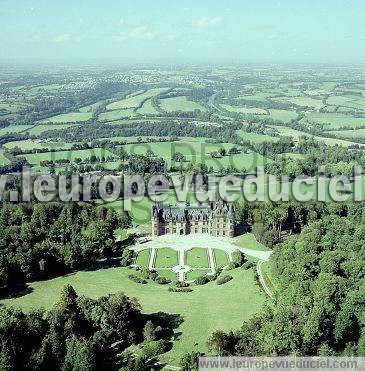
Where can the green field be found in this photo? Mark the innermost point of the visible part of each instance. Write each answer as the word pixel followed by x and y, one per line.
pixel 296 134
pixel 36 158
pixel 282 115
pixel 302 101
pixel 135 100
pixel 198 151
pixel 14 129
pixel 349 134
pixel 147 108
pixel 69 117
pixel 179 104
pixel 143 258
pixel 116 114
pixel 166 258
pixel 190 276
pixel 256 138
pixel 248 241
pixel 335 120
pixel 221 258
pixel 355 102
pixel 39 129
pixel 3 159
pixel 30 144
pixel 197 257
pixel 245 110
pixel 170 275
pixel 206 309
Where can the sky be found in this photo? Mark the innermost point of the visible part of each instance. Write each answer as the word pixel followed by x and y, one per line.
pixel 172 31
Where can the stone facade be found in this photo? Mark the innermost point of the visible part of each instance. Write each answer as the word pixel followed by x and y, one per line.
pixel 215 218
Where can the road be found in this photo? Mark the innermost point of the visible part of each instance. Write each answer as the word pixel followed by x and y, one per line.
pixel 262 280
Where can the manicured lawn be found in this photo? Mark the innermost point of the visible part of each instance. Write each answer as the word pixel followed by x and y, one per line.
pixel 206 309
pixel 197 258
pixel 249 241
pixel 179 104
pixel 196 273
pixel 221 258
pixel 69 117
pixel 166 258
pixel 167 274
pixel 143 258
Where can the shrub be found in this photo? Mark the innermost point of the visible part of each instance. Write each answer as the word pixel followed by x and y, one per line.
pixel 238 258
pixel 137 279
pixel 223 280
pixel 248 265
pixel 162 280
pixel 182 289
pixel 202 280
pixel 126 258
pixel 181 284
pixel 154 348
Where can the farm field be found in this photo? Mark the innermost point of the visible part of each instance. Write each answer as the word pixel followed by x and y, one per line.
pixel 69 117
pixel 354 102
pixel 39 129
pixel 3 159
pixel 147 109
pixel 245 110
pixel 179 104
pixel 36 158
pixel 302 101
pixel 134 100
pixel 349 134
pixel 296 134
pixel 282 115
pixel 116 114
pixel 335 120
pixel 30 144
pixel 14 129
pixel 202 311
pixel 256 138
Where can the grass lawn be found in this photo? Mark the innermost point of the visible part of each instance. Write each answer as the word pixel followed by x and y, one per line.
pixel 69 117
pixel 197 257
pixel 143 258
pixel 179 104
pixel 248 241
pixel 194 274
pixel 166 258
pixel 221 258
pixel 206 309
pixel 167 274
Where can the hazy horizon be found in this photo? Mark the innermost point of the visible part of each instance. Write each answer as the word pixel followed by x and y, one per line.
pixel 281 32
